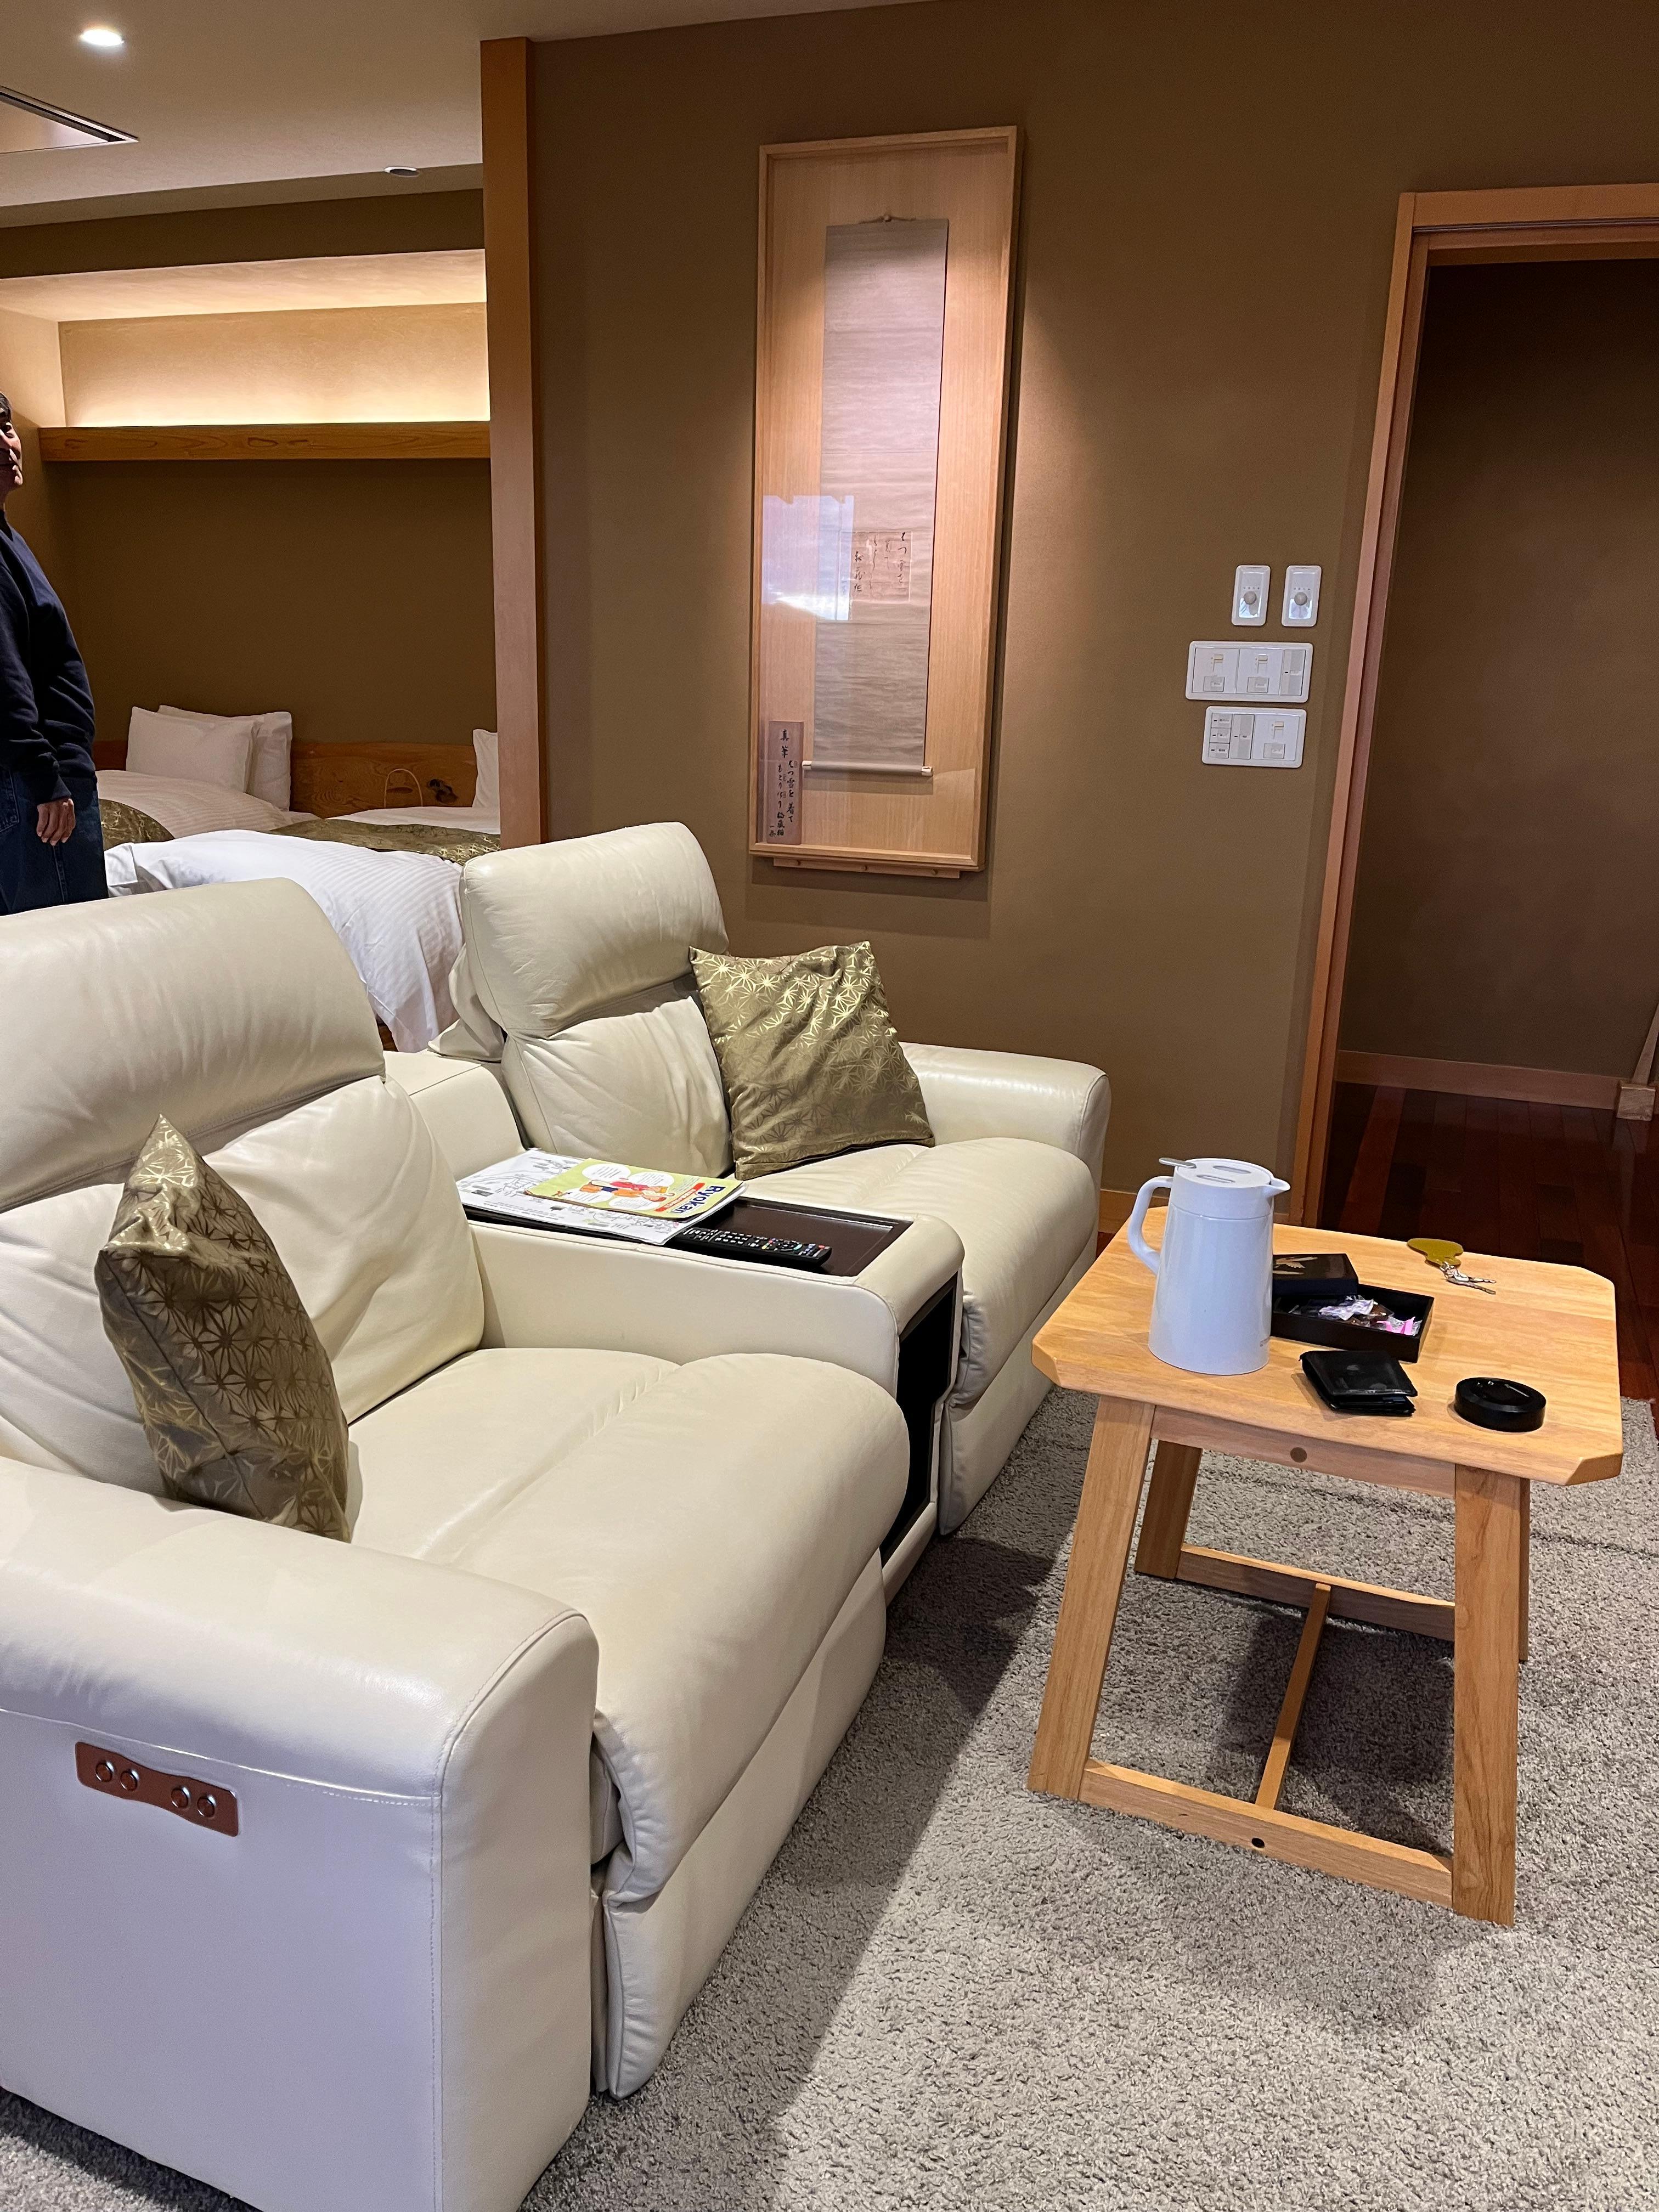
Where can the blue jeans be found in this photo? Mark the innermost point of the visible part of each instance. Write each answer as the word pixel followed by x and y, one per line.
pixel 35 874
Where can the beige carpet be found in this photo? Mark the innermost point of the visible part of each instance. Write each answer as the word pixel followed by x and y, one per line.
pixel 951 1994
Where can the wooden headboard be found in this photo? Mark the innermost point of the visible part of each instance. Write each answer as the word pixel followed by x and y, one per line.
pixel 353 779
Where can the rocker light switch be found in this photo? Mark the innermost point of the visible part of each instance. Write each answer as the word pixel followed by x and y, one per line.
pixel 1249 737
pixel 1250 596
pixel 1217 669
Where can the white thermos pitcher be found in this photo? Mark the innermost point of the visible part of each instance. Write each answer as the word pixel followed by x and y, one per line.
pixel 1213 1306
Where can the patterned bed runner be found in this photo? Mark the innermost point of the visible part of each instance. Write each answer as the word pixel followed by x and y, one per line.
pixel 459 845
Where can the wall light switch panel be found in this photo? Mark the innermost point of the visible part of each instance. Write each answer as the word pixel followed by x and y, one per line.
pixel 1254 737
pixel 1300 597
pixel 1250 588
pixel 1217 669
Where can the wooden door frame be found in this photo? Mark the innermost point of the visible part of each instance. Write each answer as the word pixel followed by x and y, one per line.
pixel 1562 222
pixel 506 103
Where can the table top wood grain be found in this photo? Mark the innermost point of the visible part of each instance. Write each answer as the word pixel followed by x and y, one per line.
pixel 1551 1326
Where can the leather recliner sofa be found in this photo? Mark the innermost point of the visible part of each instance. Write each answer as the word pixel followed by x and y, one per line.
pixel 508 1766
pixel 575 985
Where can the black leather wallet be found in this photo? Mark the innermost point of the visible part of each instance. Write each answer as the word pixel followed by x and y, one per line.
pixel 1359 1382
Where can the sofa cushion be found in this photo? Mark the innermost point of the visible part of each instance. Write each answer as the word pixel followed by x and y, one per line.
pixel 1023 1211
pixel 708 1520
pixel 351 1192
pixel 217 1007
pixel 434 1465
pixel 557 932
pixel 644 1075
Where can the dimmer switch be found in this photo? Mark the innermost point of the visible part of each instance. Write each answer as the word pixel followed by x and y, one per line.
pixel 1301 609
pixel 1250 588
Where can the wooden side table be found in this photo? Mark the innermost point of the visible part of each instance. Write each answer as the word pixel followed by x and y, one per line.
pixel 1551 1327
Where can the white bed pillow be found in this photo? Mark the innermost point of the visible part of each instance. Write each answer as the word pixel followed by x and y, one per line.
pixel 487 796
pixel 158 745
pixel 270 776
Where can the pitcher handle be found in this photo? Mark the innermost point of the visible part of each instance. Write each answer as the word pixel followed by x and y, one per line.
pixel 1138 1244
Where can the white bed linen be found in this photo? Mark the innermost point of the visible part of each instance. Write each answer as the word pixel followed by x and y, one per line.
pixel 484 819
pixel 187 807
pixel 398 914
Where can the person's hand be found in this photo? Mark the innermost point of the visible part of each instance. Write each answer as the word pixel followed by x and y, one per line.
pixel 54 823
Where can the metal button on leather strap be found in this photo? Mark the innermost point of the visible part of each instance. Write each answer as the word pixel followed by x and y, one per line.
pixel 186 1796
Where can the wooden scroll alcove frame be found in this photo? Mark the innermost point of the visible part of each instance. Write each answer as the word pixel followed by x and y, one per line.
pixel 928 821
pixel 1568 223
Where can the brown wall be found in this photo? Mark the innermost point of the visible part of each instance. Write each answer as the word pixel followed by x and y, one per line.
pixel 1208 217
pixel 354 594
pixel 357 594
pixel 31 379
pixel 1507 905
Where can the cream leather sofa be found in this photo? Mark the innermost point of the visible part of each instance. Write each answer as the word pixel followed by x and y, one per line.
pixel 575 984
pixel 509 1765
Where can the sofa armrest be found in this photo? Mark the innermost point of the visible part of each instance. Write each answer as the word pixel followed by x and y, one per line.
pixel 1013 1094
pixel 542 1288
pixel 376 1992
pixel 463 1104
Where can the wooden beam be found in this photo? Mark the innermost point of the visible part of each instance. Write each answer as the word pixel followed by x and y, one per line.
pixel 1373 1602
pixel 1169 1503
pixel 1088 1604
pixel 1279 1757
pixel 1492 1523
pixel 270 441
pixel 1402 333
pixel 1534 206
pixel 1426 1875
pixel 507 84
pixel 1479 1078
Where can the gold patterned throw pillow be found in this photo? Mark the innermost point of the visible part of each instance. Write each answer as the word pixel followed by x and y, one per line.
pixel 232 1384
pixel 810 1062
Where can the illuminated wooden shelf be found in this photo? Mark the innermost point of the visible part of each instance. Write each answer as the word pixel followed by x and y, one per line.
pixel 272 441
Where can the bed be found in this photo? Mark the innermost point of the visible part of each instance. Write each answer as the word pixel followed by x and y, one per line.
pixel 386 876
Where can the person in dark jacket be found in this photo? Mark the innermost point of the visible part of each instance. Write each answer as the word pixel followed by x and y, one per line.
pixel 51 845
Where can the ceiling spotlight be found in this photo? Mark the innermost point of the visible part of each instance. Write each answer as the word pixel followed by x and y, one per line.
pixel 401 169
pixel 101 36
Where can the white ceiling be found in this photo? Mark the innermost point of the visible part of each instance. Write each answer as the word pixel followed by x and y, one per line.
pixel 344 280
pixel 247 93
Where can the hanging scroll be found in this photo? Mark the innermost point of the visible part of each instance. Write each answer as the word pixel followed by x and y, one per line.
pixel 881 417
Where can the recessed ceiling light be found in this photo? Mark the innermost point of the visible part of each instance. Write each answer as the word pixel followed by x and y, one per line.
pixel 401 169
pixel 100 35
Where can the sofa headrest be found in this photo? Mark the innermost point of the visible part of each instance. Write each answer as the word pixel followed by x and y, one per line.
pixel 556 931
pixel 220 1007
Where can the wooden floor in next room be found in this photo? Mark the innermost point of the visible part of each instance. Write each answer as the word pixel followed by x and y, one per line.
pixel 1570 1183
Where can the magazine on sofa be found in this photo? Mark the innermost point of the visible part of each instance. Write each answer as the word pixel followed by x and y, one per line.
pixel 553 1190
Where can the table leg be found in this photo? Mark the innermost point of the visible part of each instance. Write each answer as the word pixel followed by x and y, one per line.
pixel 1088 1605
pixel 1492 1553
pixel 1169 1505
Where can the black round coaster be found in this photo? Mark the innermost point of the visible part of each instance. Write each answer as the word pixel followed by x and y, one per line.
pixel 1490 1403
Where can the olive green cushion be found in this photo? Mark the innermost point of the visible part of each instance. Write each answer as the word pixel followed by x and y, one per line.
pixel 810 1063
pixel 232 1383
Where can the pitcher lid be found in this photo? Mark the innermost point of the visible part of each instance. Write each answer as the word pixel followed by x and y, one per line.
pixel 1216 1186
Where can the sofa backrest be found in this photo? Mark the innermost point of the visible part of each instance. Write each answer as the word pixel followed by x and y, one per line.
pixel 575 974
pixel 236 1011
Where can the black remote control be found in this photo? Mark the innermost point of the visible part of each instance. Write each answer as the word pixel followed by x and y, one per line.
pixel 734 1244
